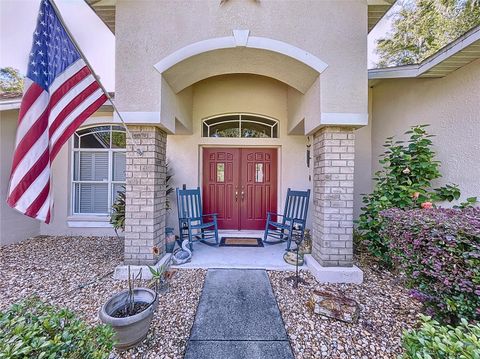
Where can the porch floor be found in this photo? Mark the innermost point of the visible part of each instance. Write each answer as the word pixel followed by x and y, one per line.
pixel 267 257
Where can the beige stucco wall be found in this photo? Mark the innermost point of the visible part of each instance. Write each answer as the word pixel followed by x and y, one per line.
pixel 14 227
pixel 451 105
pixel 231 94
pixel 147 31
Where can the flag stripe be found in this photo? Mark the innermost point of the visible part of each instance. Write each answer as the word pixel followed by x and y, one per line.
pixel 72 115
pixel 44 211
pixel 31 115
pixel 64 76
pixel 31 193
pixel 30 95
pixel 24 182
pixel 74 125
pixel 33 209
pixel 57 98
pixel 72 100
pixel 29 140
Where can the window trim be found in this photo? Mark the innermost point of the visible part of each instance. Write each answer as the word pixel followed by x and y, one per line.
pixel 276 123
pixel 110 182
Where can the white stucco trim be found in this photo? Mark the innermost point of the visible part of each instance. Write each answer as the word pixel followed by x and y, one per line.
pixel 138 117
pixel 343 118
pixel 241 38
pixel 10 104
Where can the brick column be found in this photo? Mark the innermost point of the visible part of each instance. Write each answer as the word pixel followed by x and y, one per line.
pixel 333 151
pixel 145 195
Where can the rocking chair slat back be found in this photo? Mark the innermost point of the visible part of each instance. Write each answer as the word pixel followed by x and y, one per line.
pixel 192 222
pixel 294 218
pixel 189 203
pixel 296 205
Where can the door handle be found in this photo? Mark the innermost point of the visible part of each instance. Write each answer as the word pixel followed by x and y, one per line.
pixel 243 194
pixel 236 194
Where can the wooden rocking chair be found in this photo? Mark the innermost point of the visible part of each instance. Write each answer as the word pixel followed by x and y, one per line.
pixel 191 220
pixel 291 222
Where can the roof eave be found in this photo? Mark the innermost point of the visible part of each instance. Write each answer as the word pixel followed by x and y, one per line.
pixel 450 58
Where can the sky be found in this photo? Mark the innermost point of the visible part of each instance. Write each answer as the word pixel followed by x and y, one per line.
pixel 18 20
pixel 17 23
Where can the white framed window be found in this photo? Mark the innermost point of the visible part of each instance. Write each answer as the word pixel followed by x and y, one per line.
pixel 98 168
pixel 240 125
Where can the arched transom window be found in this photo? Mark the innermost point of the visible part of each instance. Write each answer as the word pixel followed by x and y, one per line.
pixel 240 125
pixel 98 168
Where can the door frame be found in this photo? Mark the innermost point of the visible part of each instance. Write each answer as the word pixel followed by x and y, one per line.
pixel 279 166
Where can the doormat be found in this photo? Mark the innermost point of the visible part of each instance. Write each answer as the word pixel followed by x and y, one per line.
pixel 241 242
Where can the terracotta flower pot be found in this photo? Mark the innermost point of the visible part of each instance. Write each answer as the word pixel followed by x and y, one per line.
pixel 131 330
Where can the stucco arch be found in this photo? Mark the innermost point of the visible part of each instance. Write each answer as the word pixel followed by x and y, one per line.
pixel 240 53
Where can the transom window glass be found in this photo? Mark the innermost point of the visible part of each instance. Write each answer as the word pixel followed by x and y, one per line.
pixel 98 168
pixel 240 125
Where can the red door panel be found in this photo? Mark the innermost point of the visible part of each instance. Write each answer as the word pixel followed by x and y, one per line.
pixel 258 186
pixel 240 185
pixel 220 180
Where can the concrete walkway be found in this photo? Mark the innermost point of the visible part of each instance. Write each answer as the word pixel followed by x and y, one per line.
pixel 238 318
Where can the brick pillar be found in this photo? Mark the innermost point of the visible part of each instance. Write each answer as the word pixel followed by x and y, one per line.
pixel 145 195
pixel 333 151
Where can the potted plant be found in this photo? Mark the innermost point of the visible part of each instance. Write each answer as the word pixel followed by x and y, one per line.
pixel 130 313
pixel 160 277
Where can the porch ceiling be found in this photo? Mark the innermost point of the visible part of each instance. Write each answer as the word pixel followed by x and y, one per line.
pixel 105 9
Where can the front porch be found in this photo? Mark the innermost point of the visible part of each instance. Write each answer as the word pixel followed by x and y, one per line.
pixel 269 257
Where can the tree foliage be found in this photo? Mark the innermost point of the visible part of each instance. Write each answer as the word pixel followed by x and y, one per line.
pixel 10 80
pixel 422 27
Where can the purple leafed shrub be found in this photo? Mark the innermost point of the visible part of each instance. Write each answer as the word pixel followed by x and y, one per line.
pixel 439 251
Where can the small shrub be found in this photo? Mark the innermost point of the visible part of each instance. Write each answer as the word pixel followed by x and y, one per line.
pixel 439 251
pixel 33 329
pixel 408 170
pixel 117 217
pixel 435 341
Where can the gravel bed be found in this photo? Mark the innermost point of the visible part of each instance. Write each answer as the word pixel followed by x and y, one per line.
pixel 386 309
pixel 76 272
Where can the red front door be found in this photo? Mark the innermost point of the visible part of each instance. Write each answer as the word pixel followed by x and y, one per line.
pixel 240 184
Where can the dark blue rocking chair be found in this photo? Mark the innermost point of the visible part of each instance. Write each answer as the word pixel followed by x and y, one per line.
pixel 291 222
pixel 191 220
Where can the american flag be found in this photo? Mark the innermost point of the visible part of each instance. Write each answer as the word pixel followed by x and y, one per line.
pixel 60 93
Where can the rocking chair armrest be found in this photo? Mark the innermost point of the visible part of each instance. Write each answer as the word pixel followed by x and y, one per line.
pixel 298 220
pixel 276 214
pixel 210 215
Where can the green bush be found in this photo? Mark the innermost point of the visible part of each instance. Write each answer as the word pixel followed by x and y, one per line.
pixel 33 329
pixel 435 341
pixel 404 182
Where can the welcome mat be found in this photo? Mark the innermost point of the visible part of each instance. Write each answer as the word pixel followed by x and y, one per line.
pixel 241 242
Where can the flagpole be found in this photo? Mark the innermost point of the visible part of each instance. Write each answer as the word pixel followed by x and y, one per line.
pixel 59 15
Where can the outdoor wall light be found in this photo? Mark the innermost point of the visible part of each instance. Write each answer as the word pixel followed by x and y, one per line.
pixel 308 151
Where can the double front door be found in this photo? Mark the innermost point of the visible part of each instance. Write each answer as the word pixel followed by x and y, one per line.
pixel 240 185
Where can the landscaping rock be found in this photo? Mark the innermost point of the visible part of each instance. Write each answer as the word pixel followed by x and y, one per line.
pixel 76 272
pixel 386 310
pixel 334 306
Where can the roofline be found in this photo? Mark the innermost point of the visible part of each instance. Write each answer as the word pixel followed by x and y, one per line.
pixel 413 71
pixel 14 104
